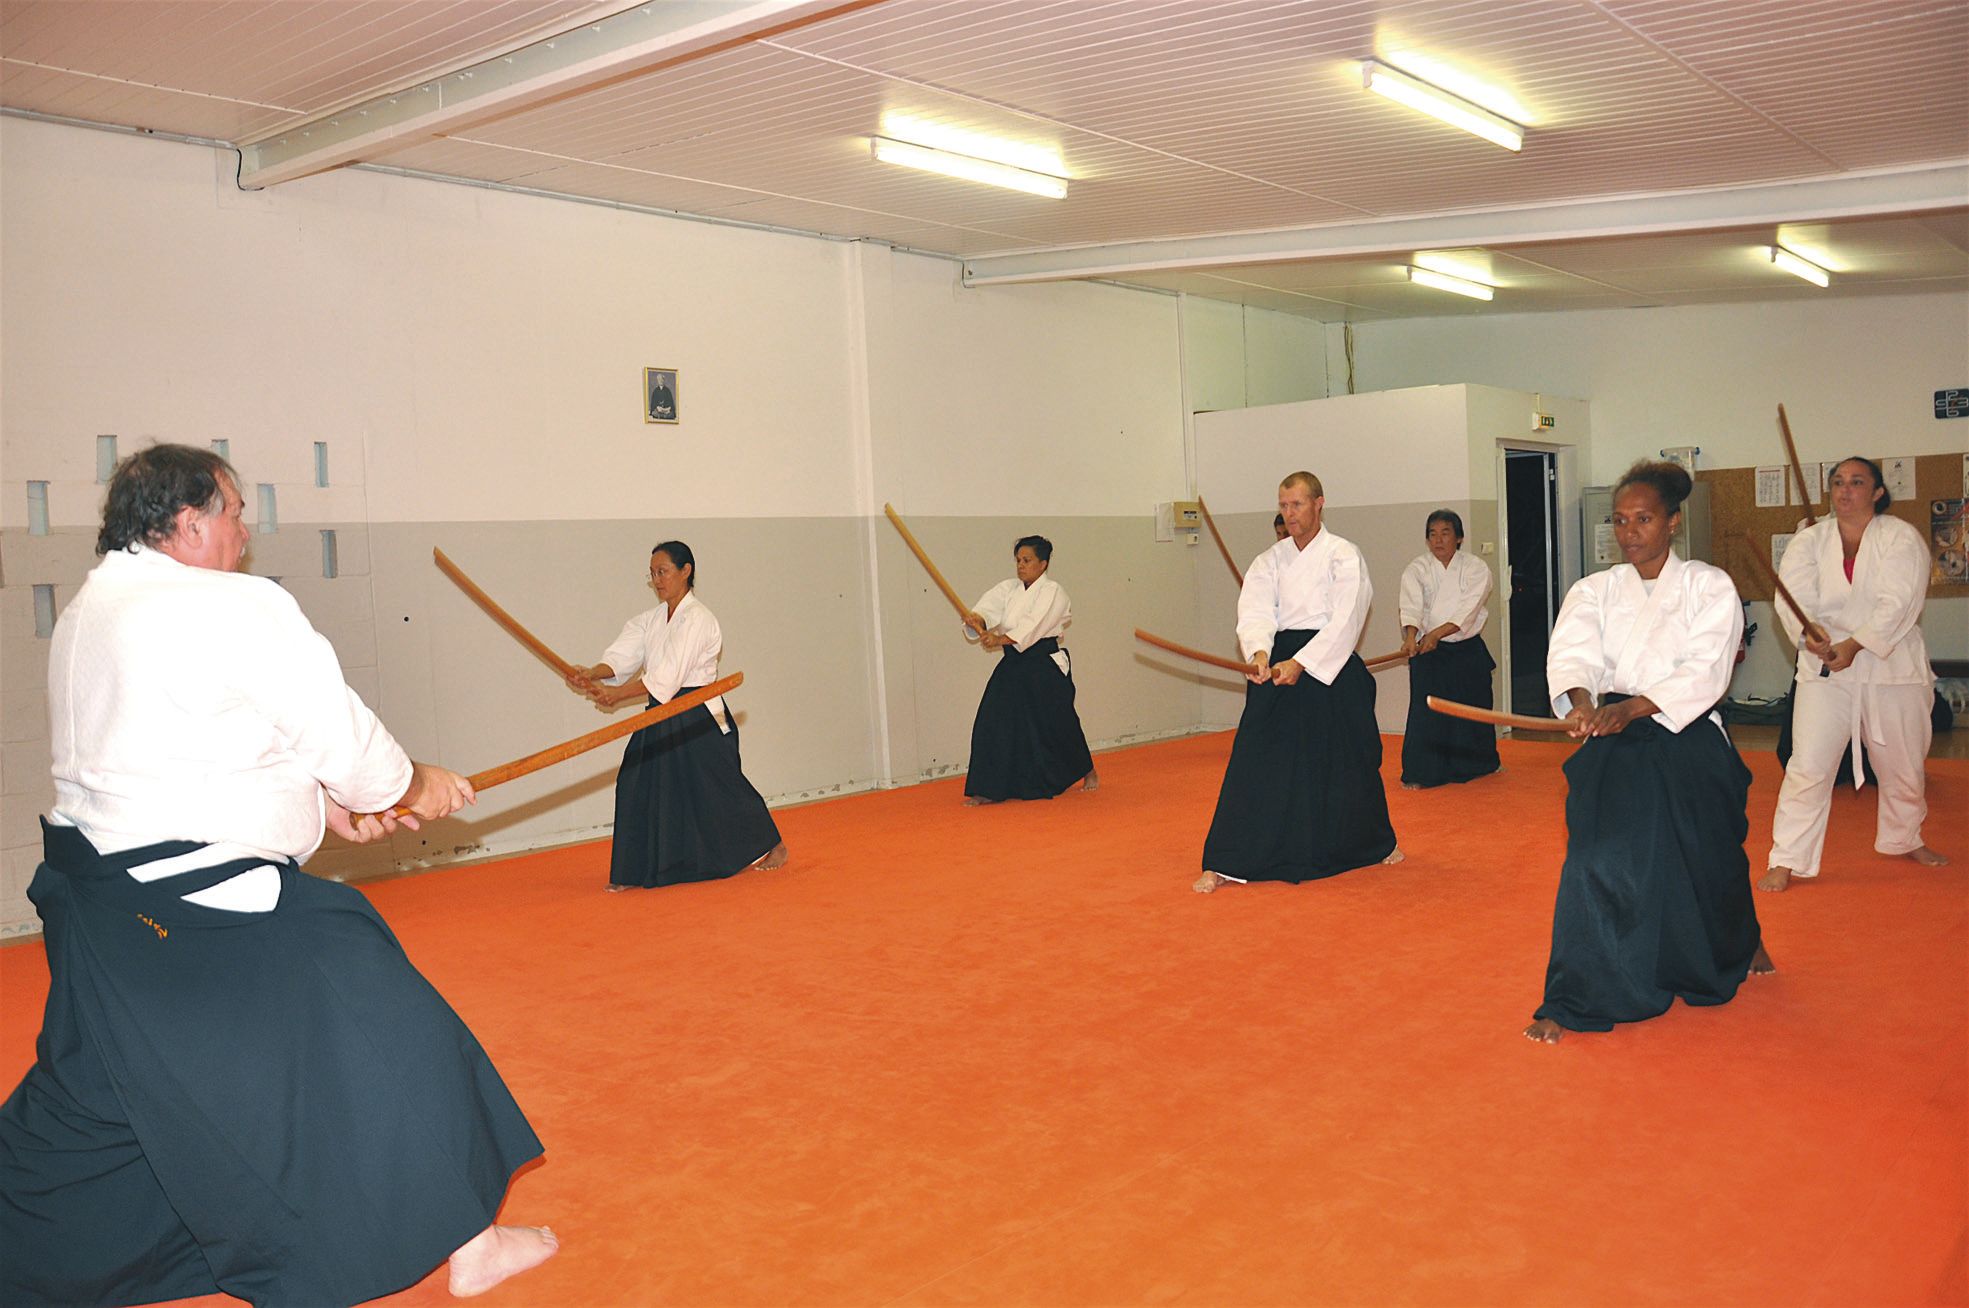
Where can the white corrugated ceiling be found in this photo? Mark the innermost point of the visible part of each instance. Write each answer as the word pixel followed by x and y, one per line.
pixel 1179 122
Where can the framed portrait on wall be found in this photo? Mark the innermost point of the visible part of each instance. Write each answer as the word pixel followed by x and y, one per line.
pixel 659 395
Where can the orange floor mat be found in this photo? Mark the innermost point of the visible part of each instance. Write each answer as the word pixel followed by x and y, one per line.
pixel 1004 1056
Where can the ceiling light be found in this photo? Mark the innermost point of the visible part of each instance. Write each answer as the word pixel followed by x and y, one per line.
pixel 967 167
pixel 1438 103
pixel 1032 156
pixel 1445 282
pixel 1471 265
pixel 1799 266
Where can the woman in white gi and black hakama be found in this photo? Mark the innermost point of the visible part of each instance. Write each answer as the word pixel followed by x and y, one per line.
pixel 1654 899
pixel 1862 575
pixel 1026 742
pixel 683 808
pixel 1442 610
pixel 1302 795
pixel 241 1083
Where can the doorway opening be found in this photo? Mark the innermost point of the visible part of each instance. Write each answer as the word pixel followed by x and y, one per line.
pixel 1531 543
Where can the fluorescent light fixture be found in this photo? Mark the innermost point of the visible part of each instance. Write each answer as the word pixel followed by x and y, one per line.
pixel 1799 266
pixel 1438 103
pixel 968 168
pixel 1470 265
pixel 939 135
pixel 1445 282
pixel 1441 73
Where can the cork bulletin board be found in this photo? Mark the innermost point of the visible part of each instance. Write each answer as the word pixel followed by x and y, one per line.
pixel 1733 514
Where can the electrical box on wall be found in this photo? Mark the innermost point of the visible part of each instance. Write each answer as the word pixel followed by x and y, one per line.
pixel 1178 517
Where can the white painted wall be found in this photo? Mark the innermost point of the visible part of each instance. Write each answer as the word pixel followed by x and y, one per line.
pixel 1386 459
pixel 1855 374
pixel 1242 357
pixel 473 360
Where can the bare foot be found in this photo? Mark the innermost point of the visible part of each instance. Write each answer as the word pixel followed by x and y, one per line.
pixel 774 857
pixel 1093 781
pixel 1208 882
pixel 1761 964
pixel 1775 879
pixel 496 1253
pixel 977 801
pixel 1394 857
pixel 1410 785
pixel 1545 1032
pixel 614 889
pixel 1928 857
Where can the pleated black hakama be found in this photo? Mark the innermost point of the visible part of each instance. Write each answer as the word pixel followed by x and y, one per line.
pixel 273 1105
pixel 1026 742
pixel 1302 796
pixel 1436 748
pixel 683 808
pixel 1654 899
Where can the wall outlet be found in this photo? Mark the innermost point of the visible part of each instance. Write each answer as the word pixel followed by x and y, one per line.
pixel 1487 547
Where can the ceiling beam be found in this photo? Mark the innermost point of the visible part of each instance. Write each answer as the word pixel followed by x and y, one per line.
pixel 624 44
pixel 1901 191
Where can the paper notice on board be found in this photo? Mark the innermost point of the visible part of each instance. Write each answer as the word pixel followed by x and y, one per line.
pixel 1825 479
pixel 1605 550
pixel 1965 476
pixel 1771 487
pixel 1900 477
pixel 1779 544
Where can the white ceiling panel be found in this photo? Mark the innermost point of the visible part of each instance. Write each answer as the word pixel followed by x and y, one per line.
pixel 292 57
pixel 1178 121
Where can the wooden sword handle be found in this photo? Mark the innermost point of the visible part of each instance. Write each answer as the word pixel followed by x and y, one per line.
pixel 1214 660
pixel 923 557
pixel 567 749
pixel 1812 629
pixel 1804 492
pixel 500 616
pixel 1471 713
pixel 1218 536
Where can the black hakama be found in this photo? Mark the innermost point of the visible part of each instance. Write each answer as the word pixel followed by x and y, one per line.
pixel 1654 899
pixel 1027 742
pixel 683 809
pixel 1302 796
pixel 273 1105
pixel 1438 749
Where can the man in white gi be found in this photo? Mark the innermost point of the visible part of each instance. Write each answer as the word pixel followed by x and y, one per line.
pixel 1302 795
pixel 241 1083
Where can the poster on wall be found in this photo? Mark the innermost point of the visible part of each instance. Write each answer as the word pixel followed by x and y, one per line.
pixel 660 395
pixel 1606 550
pixel 1946 531
pixel 1900 477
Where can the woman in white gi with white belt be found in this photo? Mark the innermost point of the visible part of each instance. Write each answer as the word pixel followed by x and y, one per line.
pixel 1026 742
pixel 1862 575
pixel 1654 899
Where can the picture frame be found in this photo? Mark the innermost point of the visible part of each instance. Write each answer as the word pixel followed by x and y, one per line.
pixel 660 397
